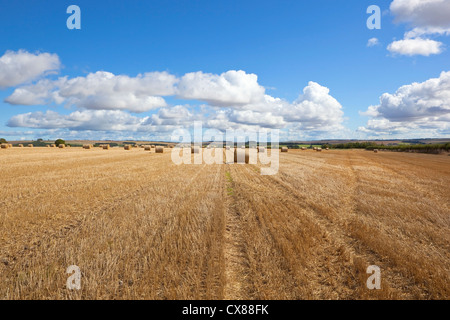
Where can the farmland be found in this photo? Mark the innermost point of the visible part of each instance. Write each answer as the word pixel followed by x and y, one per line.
pixel 140 227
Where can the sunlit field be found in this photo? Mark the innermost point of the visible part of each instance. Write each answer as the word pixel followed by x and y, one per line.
pixel 140 227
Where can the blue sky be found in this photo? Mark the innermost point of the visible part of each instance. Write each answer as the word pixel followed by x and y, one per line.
pixel 286 44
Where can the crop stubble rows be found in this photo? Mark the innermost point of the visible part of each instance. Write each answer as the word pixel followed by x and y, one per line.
pixel 141 227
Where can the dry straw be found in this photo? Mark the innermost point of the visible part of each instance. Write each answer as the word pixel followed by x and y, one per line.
pixel 87 146
pixel 106 147
pixel 303 148
pixel 261 149
pixel 62 146
pixel 30 146
pixel 284 149
pixel 147 148
pixel 318 149
pixel 128 147
pixel 5 146
pixel 375 150
pixel 159 149
pixel 20 145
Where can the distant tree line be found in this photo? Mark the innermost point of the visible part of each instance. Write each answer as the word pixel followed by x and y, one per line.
pixel 422 148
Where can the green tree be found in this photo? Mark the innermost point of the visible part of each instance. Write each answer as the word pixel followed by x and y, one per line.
pixel 59 141
pixel 2 140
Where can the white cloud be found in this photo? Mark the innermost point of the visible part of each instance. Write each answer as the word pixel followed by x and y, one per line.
pixel 422 13
pixel 373 42
pixel 414 107
pixel 232 88
pixel 416 46
pixel 426 18
pixel 20 67
pixel 100 91
pixel 236 101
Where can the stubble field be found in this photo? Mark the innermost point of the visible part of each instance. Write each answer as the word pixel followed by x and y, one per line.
pixel 140 227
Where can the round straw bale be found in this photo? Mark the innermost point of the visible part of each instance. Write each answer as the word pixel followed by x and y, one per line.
pixel 241 155
pixel 5 146
pixel 195 149
pixel 284 149
pixel 127 147
pixel 261 149
pixel 375 150
pixel 159 149
pixel 147 148
pixel 20 145
pixel 106 147
pixel 30 146
pixel 318 149
pixel 62 146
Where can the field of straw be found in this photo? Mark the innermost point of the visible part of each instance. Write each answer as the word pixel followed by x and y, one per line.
pixel 140 227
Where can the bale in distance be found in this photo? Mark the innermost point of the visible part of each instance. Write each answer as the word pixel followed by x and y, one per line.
pixel 106 147
pixel 303 148
pixel 148 148
pixel 62 146
pixel 159 149
pixel 87 146
pixel 195 149
pixel 261 149
pixel 5 146
pixel 319 149
pixel 241 153
pixel 20 145
pixel 30 146
pixel 284 149
pixel 127 147
pixel 53 146
pixel 375 150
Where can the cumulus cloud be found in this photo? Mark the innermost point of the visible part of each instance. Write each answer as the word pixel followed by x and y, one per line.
pixel 373 42
pixel 418 106
pixel 426 18
pixel 314 111
pixel 165 120
pixel 416 46
pixel 422 13
pixel 235 100
pixel 232 88
pixel 20 67
pixel 100 91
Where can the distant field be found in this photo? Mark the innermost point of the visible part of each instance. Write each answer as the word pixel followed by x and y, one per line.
pixel 140 227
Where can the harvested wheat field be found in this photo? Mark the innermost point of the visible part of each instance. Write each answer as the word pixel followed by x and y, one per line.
pixel 140 227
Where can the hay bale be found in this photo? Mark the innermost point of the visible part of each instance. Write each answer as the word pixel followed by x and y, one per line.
pixel 284 149
pixel 62 146
pixel 30 146
pixel 261 149
pixel 20 145
pixel 239 154
pixel 53 146
pixel 10 145
pixel 195 149
pixel 87 146
pixel 319 149
pixel 153 146
pixel 375 150
pixel 47 146
pixel 327 148
pixel 127 147
pixel 303 148
pixel 148 148
pixel 5 146
pixel 159 149
pixel 227 147
pixel 106 147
